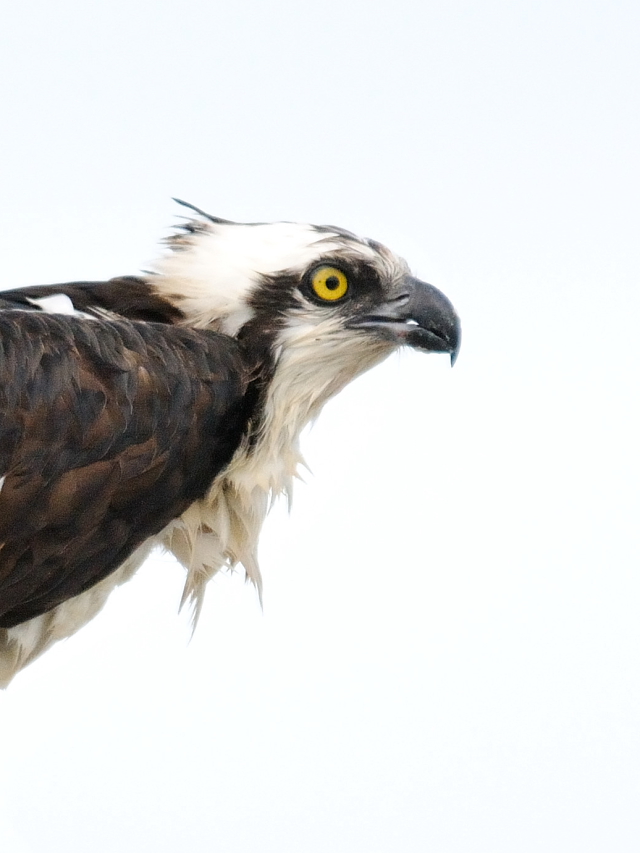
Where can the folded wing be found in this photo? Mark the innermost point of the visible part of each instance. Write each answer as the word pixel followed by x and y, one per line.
pixel 108 431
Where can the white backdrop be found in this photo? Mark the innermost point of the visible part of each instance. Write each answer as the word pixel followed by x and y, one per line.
pixel 448 658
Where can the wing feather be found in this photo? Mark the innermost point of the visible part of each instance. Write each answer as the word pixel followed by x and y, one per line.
pixel 126 296
pixel 108 431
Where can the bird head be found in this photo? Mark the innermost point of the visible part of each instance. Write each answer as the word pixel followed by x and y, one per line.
pixel 326 303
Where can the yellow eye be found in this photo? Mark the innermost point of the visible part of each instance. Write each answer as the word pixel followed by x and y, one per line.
pixel 329 283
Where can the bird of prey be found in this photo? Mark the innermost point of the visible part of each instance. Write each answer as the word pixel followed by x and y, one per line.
pixel 166 409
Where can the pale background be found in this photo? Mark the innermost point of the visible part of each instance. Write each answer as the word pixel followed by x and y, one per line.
pixel 449 657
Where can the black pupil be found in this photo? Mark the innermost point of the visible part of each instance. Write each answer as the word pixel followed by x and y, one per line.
pixel 332 283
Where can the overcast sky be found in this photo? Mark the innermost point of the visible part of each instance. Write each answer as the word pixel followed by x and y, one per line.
pixel 449 654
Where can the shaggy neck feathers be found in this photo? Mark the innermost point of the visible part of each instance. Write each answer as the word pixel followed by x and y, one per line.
pixel 222 529
pixel 220 275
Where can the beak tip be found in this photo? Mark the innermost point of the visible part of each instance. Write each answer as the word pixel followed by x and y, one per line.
pixel 456 351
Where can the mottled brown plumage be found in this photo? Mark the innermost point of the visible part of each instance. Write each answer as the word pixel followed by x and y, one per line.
pixel 107 432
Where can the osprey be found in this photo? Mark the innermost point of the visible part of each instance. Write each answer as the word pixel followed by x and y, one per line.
pixel 166 409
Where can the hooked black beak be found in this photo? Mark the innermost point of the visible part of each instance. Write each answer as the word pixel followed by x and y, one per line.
pixel 422 318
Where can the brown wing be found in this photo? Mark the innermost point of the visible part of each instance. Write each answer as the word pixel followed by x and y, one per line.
pixel 127 296
pixel 108 430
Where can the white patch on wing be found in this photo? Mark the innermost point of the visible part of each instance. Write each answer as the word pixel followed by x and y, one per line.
pixel 59 303
pixel 2 479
